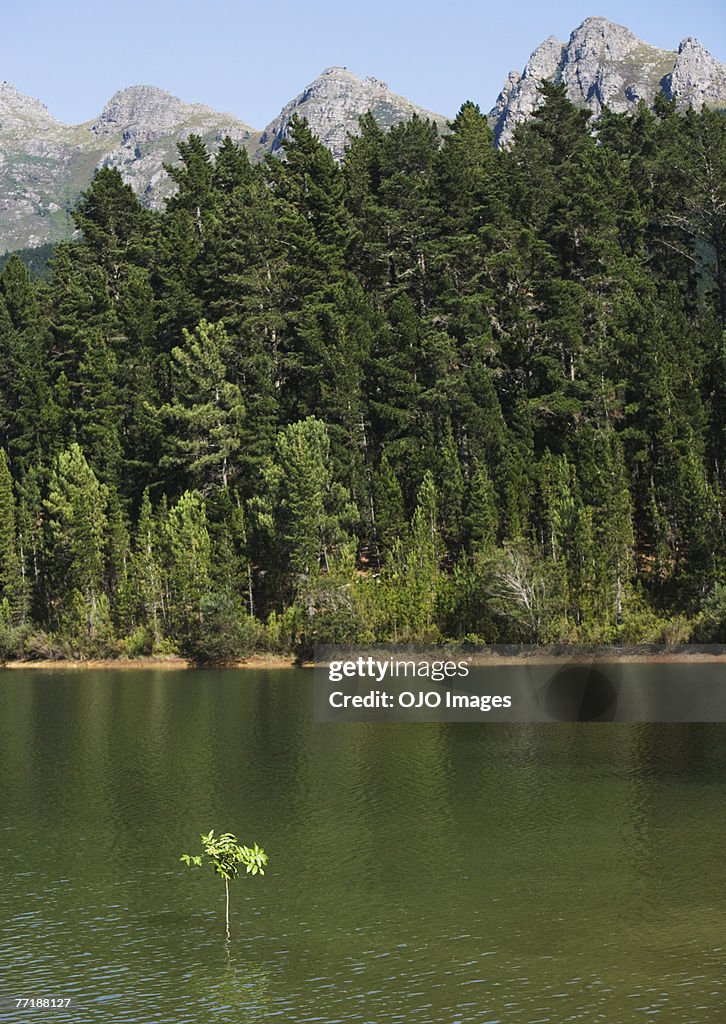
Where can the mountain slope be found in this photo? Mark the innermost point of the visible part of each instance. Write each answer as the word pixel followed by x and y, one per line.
pixel 37 154
pixel 45 164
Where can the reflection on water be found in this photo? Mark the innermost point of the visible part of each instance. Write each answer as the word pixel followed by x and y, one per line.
pixel 419 873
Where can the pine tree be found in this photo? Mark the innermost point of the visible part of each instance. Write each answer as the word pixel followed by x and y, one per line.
pixel 390 519
pixel 190 567
pixel 140 593
pixel 115 226
pixel 76 510
pixel 11 581
pixel 414 578
pixel 25 402
pixel 613 528
pixel 309 509
pixel 481 519
pixel 206 413
pixel 451 490
pixel 98 408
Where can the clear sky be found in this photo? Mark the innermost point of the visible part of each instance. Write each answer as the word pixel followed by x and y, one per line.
pixel 250 58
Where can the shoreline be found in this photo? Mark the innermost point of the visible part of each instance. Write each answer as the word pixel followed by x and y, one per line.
pixel 172 661
pixel 276 661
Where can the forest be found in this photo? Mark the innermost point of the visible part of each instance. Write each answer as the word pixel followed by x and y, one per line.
pixel 439 391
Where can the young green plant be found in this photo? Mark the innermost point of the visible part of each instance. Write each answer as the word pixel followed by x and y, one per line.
pixel 227 857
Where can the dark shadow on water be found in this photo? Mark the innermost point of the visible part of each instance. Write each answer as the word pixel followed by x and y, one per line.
pixel 581 693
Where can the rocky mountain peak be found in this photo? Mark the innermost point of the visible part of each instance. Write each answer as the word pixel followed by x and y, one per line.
pixel 603 60
pixel 546 60
pixel 19 112
pixel 690 45
pixel 140 128
pixel 519 95
pixel 602 37
pixel 604 64
pixel 697 77
pixel 332 104
pixel 145 113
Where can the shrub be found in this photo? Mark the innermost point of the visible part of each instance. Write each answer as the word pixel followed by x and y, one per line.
pixel 711 625
pixel 223 632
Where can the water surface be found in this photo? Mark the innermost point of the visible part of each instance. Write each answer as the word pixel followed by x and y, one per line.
pixel 421 874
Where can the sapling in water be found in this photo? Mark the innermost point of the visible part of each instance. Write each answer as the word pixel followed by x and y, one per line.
pixel 227 857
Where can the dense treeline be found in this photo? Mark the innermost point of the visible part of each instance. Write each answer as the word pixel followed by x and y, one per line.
pixel 438 391
pixel 36 258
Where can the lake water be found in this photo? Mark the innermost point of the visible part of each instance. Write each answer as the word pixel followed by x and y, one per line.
pixel 419 874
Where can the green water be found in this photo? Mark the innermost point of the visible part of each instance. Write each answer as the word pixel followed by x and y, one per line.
pixel 421 874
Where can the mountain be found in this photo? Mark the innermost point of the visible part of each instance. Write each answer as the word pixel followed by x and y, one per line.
pixel 604 64
pixel 143 125
pixel 45 164
pixel 36 154
pixel 334 102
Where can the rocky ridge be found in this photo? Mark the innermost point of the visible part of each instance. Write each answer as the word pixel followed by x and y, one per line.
pixel 36 152
pixel 697 77
pixel 19 112
pixel 44 164
pixel 604 64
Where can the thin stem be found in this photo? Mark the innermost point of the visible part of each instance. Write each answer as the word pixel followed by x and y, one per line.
pixel 226 888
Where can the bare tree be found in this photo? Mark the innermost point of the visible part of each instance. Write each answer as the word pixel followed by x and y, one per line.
pixel 519 588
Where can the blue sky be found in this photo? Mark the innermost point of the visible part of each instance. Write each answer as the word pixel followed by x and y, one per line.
pixel 249 58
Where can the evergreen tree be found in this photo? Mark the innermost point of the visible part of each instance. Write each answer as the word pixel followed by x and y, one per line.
pixel 308 510
pixel 26 415
pixel 481 519
pixel 76 510
pixel 390 519
pixel 190 569
pixel 414 576
pixel 11 581
pixel 206 413
pixel 140 590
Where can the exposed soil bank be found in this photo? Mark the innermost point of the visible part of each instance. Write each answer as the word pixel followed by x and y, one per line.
pixel 171 662
pixel 482 659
